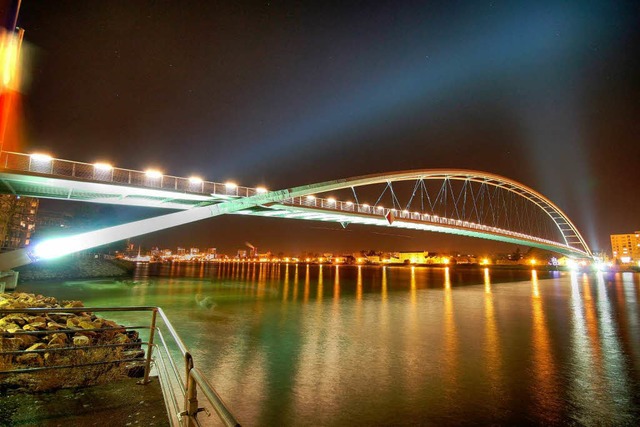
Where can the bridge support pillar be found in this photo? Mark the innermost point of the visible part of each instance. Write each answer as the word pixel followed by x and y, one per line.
pixel 8 280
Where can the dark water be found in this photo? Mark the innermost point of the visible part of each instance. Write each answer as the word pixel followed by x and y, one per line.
pixel 299 345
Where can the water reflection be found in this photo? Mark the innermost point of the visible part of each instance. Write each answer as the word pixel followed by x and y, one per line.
pixel 412 287
pixel 493 352
pixel 295 284
pixel 438 346
pixel 616 383
pixel 359 284
pixel 582 376
pixel 306 285
pixel 319 289
pixel 285 291
pixel 628 291
pixel 384 284
pixel 336 285
pixel 450 354
pixel 545 390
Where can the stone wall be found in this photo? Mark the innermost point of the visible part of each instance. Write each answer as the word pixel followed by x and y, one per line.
pixel 74 267
pixel 51 350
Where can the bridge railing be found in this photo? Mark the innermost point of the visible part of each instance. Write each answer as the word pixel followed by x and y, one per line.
pixel 101 172
pixel 380 211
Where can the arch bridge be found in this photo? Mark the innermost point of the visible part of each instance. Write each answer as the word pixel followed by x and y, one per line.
pixel 456 201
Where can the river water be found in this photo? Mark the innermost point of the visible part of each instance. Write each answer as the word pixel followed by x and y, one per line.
pixel 348 345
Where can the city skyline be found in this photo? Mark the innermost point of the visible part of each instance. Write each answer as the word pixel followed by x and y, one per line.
pixel 311 94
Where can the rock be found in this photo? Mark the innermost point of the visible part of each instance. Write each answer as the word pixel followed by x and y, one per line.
pixel 133 354
pixel 26 340
pixel 70 304
pixel 8 325
pixel 35 326
pixel 109 324
pixel 81 340
pixel 10 344
pixel 83 324
pixel 30 359
pixel 13 329
pixel 52 326
pixel 18 319
pixel 37 346
pixel 121 339
pixel 86 325
pixel 49 358
pixel 57 340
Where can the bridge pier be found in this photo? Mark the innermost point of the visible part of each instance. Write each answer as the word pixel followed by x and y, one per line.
pixel 8 280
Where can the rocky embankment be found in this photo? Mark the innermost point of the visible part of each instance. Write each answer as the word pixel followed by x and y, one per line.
pixel 62 341
pixel 69 268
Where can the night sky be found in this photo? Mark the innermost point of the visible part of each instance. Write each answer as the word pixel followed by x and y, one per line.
pixel 289 93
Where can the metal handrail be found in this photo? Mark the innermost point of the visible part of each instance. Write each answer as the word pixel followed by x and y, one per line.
pixel 86 171
pixel 189 385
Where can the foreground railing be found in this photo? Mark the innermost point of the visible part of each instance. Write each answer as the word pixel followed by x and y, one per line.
pixel 180 390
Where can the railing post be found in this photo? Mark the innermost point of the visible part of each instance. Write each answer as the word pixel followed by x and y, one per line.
pixel 147 363
pixel 191 395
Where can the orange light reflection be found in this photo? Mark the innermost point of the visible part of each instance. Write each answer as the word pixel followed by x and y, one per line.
pixel 545 392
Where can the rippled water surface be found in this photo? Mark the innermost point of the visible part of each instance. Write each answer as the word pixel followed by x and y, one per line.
pixel 309 345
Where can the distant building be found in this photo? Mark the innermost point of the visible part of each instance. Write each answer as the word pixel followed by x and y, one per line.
pixel 626 247
pixel 52 222
pixel 413 257
pixel 17 221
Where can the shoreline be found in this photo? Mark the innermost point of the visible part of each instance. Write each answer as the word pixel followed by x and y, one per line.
pixel 72 268
pixel 90 267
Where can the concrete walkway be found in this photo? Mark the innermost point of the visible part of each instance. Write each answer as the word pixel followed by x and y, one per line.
pixel 121 403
